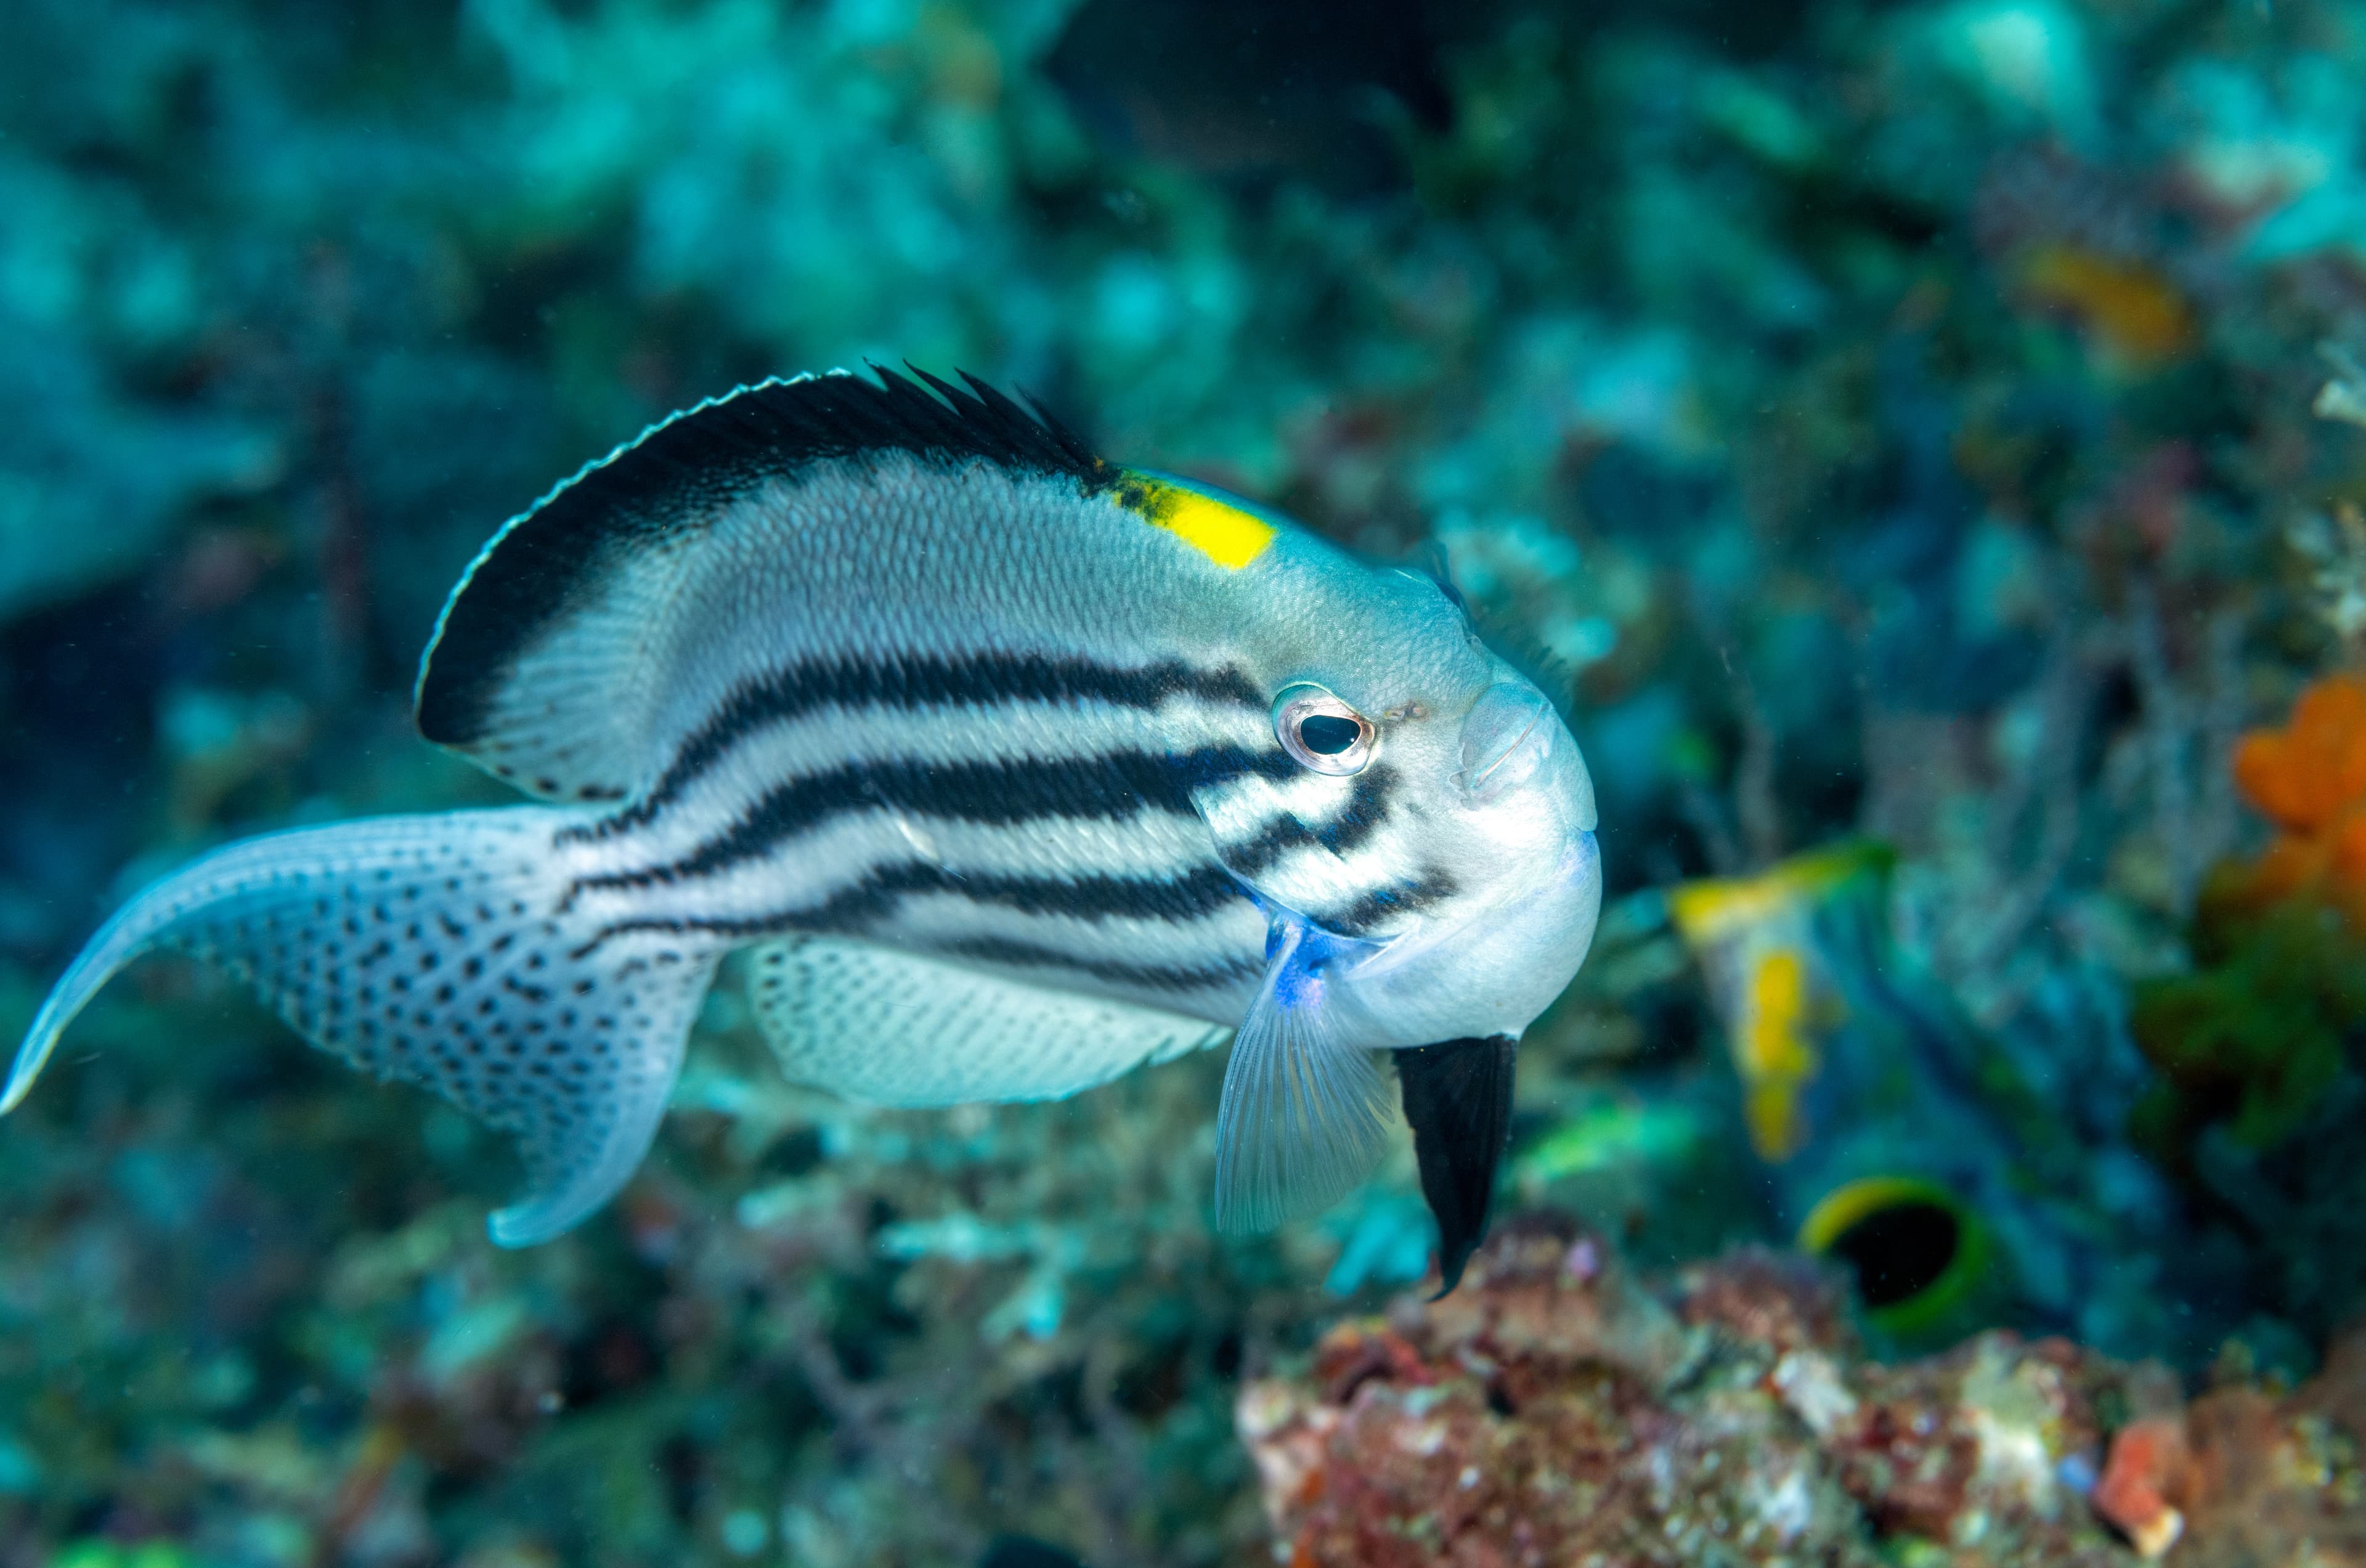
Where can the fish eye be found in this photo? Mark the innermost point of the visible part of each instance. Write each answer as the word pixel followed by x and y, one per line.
pixel 1321 732
pixel 1327 735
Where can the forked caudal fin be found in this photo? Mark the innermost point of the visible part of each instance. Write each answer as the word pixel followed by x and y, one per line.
pixel 434 950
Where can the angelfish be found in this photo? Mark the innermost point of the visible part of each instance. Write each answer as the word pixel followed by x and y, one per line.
pixel 1018 770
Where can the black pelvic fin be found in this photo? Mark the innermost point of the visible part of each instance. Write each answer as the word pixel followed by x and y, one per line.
pixel 1457 1098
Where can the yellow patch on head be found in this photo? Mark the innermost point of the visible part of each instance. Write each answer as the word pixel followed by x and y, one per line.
pixel 1226 535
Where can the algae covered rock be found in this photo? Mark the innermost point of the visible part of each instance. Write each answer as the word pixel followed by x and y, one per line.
pixel 1558 1410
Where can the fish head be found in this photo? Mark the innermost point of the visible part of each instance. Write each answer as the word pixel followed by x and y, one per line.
pixel 1501 801
pixel 1432 881
pixel 1436 821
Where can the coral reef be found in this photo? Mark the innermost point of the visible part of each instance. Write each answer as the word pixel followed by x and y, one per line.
pixel 1933 425
pixel 2257 1102
pixel 1558 1410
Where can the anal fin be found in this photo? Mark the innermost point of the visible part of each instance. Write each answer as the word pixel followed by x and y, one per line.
pixel 893 1028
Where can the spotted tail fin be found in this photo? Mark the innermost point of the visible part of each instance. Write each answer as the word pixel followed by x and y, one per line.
pixel 436 950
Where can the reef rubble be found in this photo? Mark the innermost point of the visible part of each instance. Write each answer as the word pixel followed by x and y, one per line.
pixel 1560 1409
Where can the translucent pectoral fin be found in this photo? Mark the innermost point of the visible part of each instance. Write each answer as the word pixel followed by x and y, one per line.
pixel 1305 1115
pixel 893 1028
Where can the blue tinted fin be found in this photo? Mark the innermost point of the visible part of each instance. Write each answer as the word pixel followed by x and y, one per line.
pixel 1305 1112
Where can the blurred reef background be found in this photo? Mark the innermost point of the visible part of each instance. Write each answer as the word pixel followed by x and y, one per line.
pixel 1927 440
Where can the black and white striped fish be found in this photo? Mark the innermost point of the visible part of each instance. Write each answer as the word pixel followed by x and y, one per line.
pixel 1023 769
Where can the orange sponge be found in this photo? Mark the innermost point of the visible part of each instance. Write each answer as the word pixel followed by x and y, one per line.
pixel 2309 778
pixel 2313 770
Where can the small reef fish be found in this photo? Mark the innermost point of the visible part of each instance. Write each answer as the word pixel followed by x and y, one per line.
pixel 1017 769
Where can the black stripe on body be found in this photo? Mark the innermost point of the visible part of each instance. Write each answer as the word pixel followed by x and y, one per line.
pixel 680 474
pixel 1002 951
pixel 882 890
pixel 994 793
pixel 1431 887
pixel 1191 896
pixel 915 682
pixel 1366 807
pixel 1027 955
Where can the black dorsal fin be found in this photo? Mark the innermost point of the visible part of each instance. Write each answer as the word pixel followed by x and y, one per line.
pixel 680 473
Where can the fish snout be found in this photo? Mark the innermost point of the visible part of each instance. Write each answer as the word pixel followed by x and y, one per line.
pixel 1514 741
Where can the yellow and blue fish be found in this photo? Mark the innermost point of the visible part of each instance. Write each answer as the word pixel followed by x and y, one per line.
pixel 1017 769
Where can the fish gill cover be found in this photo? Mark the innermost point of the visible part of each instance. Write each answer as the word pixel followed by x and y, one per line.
pixel 1928 433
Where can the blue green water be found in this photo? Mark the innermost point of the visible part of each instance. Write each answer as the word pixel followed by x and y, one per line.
pixel 1918 441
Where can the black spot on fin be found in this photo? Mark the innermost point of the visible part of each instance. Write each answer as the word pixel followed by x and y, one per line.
pixel 677 476
pixel 1457 1098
